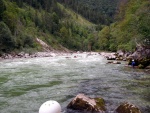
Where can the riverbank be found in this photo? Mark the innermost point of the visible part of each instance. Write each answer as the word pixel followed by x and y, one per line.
pixel 54 53
pixel 116 57
pixel 34 55
pixel 50 54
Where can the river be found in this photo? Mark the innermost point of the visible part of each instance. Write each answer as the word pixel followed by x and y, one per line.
pixel 27 83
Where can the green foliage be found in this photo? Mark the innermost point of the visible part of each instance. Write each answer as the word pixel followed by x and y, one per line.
pixel 22 21
pixel 75 36
pixel 104 36
pixel 10 19
pixel 47 20
pixel 7 42
pixel 97 11
pixel 132 29
pixel 2 8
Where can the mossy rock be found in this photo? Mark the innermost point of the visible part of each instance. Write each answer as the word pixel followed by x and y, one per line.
pixel 127 108
pixel 145 62
pixel 140 66
pixel 84 103
pixel 100 103
pixel 141 63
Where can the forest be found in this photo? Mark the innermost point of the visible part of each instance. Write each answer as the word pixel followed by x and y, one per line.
pixel 130 29
pixel 96 11
pixel 79 25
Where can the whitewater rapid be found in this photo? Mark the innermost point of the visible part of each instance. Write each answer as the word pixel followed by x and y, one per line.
pixel 26 83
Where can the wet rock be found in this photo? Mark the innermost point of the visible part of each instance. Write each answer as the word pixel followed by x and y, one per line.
pixel 127 108
pixel 141 52
pixel 26 55
pixel 140 63
pixel 120 53
pixel 124 59
pixel 108 56
pixel 127 54
pixel 119 58
pixel 111 58
pixel 109 62
pixel 84 103
pixel 21 54
pixel 43 54
pixel 116 62
pixel 140 66
pixel 141 57
pixel 113 62
pixel 6 56
pixel 144 62
pixel 1 58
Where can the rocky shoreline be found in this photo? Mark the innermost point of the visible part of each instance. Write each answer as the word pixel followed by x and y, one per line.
pixel 141 56
pixel 34 55
pixel 86 104
pixel 107 55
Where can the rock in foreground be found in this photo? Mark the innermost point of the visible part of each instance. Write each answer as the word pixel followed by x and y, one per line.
pixel 127 108
pixel 84 103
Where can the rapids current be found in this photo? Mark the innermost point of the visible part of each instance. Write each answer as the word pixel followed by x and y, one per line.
pixel 27 83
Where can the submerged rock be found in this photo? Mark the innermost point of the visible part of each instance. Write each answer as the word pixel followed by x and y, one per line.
pixel 84 103
pixel 113 62
pixel 127 108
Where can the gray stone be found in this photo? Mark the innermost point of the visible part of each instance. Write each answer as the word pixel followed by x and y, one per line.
pixel 84 103
pixel 127 108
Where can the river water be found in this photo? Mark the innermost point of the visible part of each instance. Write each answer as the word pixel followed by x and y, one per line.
pixel 27 83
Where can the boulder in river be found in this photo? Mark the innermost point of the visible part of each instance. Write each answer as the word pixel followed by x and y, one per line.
pixel 113 62
pixel 116 62
pixel 141 56
pixel 84 103
pixel 127 108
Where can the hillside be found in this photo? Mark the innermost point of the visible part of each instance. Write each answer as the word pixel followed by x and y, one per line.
pixel 132 28
pixel 27 25
pixel 23 22
pixel 96 11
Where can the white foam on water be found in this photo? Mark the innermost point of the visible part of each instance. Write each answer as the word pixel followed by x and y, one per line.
pixel 26 83
pixel 91 58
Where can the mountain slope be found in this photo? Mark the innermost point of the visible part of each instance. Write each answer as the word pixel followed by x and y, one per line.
pixel 97 11
pixel 75 17
pixel 131 29
pixel 22 22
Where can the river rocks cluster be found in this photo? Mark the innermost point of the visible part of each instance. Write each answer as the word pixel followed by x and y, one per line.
pixel 127 108
pixel 25 55
pixel 141 57
pixel 86 104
